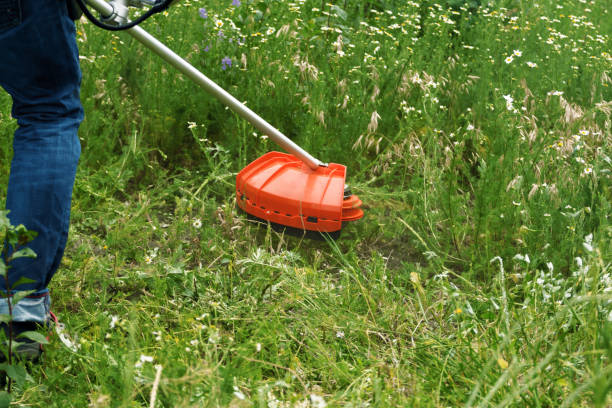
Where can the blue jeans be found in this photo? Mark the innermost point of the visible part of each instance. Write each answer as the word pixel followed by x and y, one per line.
pixel 39 68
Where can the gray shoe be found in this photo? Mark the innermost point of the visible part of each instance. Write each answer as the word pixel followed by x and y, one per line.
pixel 27 350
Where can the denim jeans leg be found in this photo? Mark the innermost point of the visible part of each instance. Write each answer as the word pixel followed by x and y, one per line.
pixel 40 69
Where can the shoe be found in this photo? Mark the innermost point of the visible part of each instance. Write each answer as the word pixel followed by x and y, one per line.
pixel 28 350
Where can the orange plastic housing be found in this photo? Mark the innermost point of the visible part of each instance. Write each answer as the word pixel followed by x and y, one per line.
pixel 280 188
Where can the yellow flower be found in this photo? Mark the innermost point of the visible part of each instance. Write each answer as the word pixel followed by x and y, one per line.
pixel 503 364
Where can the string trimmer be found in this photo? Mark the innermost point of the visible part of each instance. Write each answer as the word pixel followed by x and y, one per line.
pixel 292 190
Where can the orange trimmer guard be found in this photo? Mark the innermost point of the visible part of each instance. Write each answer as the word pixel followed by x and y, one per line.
pixel 280 188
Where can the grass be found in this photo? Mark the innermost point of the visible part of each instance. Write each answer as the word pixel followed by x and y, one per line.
pixel 478 137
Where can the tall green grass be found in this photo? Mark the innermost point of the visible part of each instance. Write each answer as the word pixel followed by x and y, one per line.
pixel 480 275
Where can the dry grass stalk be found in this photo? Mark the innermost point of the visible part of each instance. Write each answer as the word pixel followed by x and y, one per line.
pixel 375 93
pixel 373 125
pixel 572 112
pixel 307 70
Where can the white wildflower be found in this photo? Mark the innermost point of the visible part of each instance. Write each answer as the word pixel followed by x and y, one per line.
pixel 588 243
pixel 143 359
pixel 317 401
pixel 509 101
pixel 114 321
pixel 146 359
pixel 239 394
pixel 521 257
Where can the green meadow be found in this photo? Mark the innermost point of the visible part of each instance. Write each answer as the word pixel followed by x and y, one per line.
pixel 476 133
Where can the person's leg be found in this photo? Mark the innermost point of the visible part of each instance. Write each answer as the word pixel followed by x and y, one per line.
pixel 40 69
